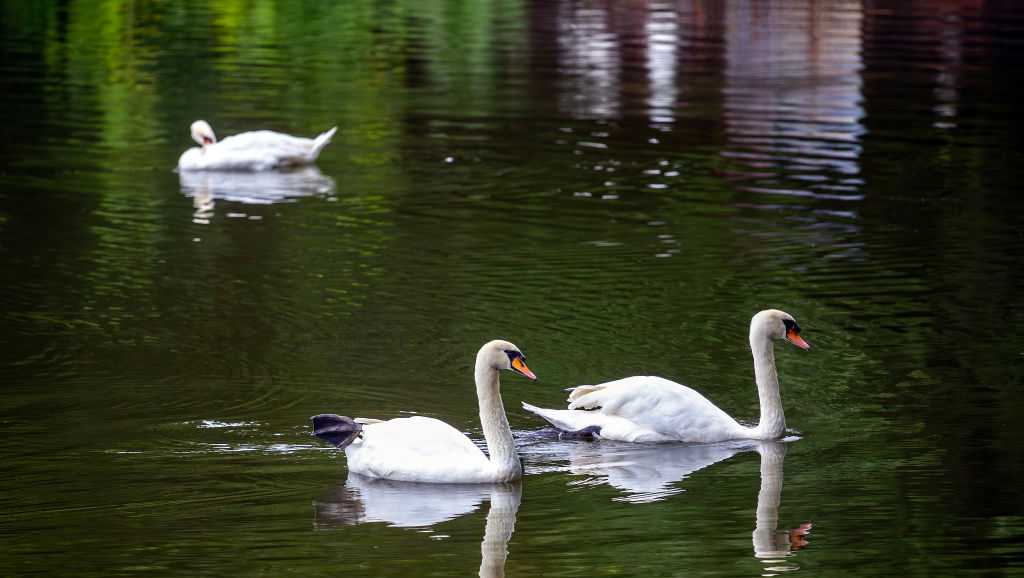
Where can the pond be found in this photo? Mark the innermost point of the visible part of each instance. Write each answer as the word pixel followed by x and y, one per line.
pixel 615 187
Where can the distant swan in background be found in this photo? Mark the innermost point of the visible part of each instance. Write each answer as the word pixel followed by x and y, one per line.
pixel 653 409
pixel 424 449
pixel 259 150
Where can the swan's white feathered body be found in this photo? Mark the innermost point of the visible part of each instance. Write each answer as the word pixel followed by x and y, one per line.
pixel 651 409
pixel 423 449
pixel 259 150
pixel 419 449
pixel 644 409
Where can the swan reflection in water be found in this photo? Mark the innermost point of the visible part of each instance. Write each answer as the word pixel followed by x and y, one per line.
pixel 250 188
pixel 363 500
pixel 643 472
pixel 772 545
pixel 651 472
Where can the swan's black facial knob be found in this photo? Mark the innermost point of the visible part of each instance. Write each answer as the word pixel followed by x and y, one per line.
pixel 793 334
pixel 518 362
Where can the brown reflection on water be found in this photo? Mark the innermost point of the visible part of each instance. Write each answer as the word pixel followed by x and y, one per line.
pixel 614 61
pixel 792 97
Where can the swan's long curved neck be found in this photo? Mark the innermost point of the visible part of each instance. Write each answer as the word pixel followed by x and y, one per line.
pixel 500 444
pixel 773 420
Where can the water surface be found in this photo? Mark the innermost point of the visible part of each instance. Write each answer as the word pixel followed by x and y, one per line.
pixel 615 187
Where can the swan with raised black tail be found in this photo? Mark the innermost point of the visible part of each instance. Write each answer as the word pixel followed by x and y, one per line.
pixel 653 409
pixel 259 150
pixel 424 449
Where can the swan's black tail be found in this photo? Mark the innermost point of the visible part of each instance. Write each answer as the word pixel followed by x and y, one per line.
pixel 336 429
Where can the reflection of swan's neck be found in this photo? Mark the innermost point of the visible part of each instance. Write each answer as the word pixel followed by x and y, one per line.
pixel 204 205
pixel 500 444
pixel 773 421
pixel 764 538
pixel 501 522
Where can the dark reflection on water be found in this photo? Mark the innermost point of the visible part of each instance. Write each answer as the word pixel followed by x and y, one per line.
pixel 616 187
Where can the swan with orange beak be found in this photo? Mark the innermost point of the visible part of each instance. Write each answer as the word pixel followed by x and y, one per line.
pixel 649 409
pixel 424 449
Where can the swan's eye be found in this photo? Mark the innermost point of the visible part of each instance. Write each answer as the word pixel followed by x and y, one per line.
pixel 513 355
pixel 791 326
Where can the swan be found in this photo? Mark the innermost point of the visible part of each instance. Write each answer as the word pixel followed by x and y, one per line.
pixel 424 449
pixel 259 150
pixel 650 409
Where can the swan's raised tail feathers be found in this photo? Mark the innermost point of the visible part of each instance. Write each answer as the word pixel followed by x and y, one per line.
pixel 336 429
pixel 575 422
pixel 322 140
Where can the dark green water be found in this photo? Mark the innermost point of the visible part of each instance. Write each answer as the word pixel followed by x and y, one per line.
pixel 614 186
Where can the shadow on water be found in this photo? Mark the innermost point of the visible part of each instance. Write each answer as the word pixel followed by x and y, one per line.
pixel 363 500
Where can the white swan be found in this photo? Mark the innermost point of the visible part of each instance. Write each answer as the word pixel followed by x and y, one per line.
pixel 424 449
pixel 259 150
pixel 654 409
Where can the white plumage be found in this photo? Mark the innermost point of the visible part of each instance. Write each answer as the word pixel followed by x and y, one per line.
pixel 649 409
pixel 645 409
pixel 417 449
pixel 424 449
pixel 259 150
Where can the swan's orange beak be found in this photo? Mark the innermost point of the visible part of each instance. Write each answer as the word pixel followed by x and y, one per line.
pixel 793 337
pixel 520 366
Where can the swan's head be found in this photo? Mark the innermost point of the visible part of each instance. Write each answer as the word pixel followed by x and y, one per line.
pixel 500 354
pixel 202 133
pixel 775 324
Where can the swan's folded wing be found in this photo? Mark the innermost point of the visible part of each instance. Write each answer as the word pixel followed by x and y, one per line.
pixel 420 437
pixel 657 404
pixel 416 449
pixel 264 139
pixel 266 147
pixel 634 394
pixel 581 390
